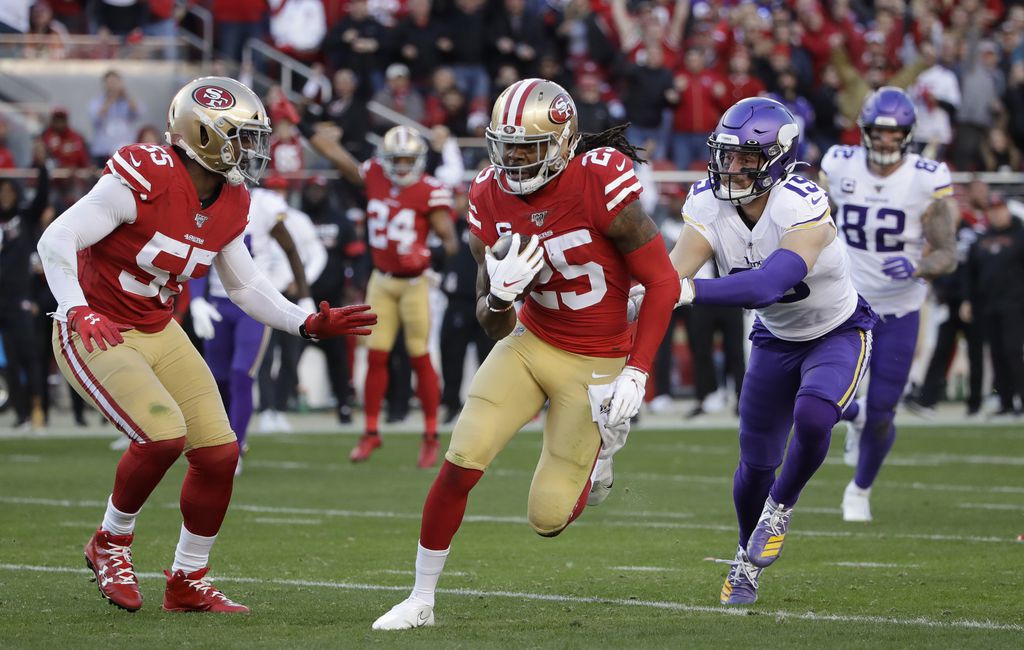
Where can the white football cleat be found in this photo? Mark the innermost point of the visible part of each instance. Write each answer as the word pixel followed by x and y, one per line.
pixel 601 480
pixel 856 503
pixel 411 612
pixel 851 450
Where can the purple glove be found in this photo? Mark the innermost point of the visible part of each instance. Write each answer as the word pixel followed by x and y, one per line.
pixel 898 268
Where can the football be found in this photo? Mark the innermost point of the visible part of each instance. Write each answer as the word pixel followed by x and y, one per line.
pixel 504 243
pixel 500 250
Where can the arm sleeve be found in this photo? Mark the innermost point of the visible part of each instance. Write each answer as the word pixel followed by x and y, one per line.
pixel 651 266
pixel 251 290
pixel 97 214
pixel 779 273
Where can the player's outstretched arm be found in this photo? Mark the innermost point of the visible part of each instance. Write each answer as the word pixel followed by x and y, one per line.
pixel 691 252
pixel 441 223
pixel 939 225
pixel 255 295
pixel 780 272
pixel 284 239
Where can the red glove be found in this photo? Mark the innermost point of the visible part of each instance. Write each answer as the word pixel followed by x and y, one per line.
pixel 417 260
pixel 94 326
pixel 338 321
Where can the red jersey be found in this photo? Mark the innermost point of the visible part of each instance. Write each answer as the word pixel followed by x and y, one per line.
pixel 579 304
pixel 286 155
pixel 133 274
pixel 398 218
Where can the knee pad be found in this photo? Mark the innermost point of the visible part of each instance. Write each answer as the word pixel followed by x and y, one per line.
pixel 216 460
pixel 814 414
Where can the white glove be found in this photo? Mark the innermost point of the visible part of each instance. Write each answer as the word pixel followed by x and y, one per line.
pixel 203 316
pixel 307 305
pixel 633 302
pixel 627 395
pixel 511 275
pixel 686 292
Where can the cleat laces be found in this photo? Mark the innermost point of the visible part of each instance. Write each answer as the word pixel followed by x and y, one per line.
pixel 121 562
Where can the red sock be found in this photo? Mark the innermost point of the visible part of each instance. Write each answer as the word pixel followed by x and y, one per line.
pixel 376 386
pixel 206 493
pixel 140 470
pixel 427 391
pixel 446 504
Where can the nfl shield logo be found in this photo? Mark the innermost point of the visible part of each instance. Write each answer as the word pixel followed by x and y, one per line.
pixel 200 220
pixel 538 218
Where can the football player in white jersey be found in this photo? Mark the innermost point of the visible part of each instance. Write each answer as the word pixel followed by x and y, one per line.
pixel 772 236
pixel 895 213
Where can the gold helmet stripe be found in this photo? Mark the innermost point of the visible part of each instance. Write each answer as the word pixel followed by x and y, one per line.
pixel 517 101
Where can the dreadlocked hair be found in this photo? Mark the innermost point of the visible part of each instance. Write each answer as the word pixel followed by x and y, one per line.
pixel 615 138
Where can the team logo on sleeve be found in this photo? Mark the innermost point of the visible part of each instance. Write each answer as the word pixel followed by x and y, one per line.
pixel 562 109
pixel 538 218
pixel 213 97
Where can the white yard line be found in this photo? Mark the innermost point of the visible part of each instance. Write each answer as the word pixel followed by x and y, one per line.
pixel 991 506
pixel 873 565
pixel 415 516
pixel 920 621
pixel 643 569
pixel 287 522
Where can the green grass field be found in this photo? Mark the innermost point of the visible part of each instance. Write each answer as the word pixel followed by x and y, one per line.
pixel 319 548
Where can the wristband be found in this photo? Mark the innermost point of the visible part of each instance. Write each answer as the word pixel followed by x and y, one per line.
pixel 498 311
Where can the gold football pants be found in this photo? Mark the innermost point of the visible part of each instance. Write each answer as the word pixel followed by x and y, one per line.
pixel 399 302
pixel 520 373
pixel 151 387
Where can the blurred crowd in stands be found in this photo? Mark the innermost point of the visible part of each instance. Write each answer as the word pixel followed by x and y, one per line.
pixel 669 67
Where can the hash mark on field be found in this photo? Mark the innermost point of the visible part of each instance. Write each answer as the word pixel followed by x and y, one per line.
pixel 296 522
pixel 920 621
pixel 874 565
pixel 643 569
pixel 24 458
pixel 405 572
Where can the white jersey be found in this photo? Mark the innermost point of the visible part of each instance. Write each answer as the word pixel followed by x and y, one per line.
pixel 266 209
pixel 880 218
pixel 818 304
pixel 307 242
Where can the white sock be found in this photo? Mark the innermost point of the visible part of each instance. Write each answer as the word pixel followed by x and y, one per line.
pixel 193 551
pixel 116 522
pixel 429 565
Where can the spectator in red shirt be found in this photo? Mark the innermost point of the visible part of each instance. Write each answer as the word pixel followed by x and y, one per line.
pixel 63 144
pixel 6 157
pixel 741 83
pixel 237 21
pixel 700 97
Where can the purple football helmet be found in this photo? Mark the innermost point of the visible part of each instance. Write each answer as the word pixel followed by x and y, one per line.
pixel 888 107
pixel 758 131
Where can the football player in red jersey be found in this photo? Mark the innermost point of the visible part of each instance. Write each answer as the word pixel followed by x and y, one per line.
pixel 115 261
pixel 403 205
pixel 574 196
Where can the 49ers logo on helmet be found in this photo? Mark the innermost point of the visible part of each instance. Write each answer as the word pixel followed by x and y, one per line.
pixel 562 109
pixel 213 97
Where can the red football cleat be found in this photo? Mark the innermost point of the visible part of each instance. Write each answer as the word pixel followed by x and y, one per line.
pixel 368 443
pixel 194 593
pixel 428 453
pixel 110 558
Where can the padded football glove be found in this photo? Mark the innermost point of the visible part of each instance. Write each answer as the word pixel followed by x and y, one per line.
pixel 93 327
pixel 513 273
pixel 338 321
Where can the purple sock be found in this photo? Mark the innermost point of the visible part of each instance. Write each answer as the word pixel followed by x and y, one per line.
pixel 851 412
pixel 875 443
pixel 750 486
pixel 241 404
pixel 813 419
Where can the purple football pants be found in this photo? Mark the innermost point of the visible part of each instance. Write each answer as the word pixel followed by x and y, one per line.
pixel 799 386
pixel 894 342
pixel 234 354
